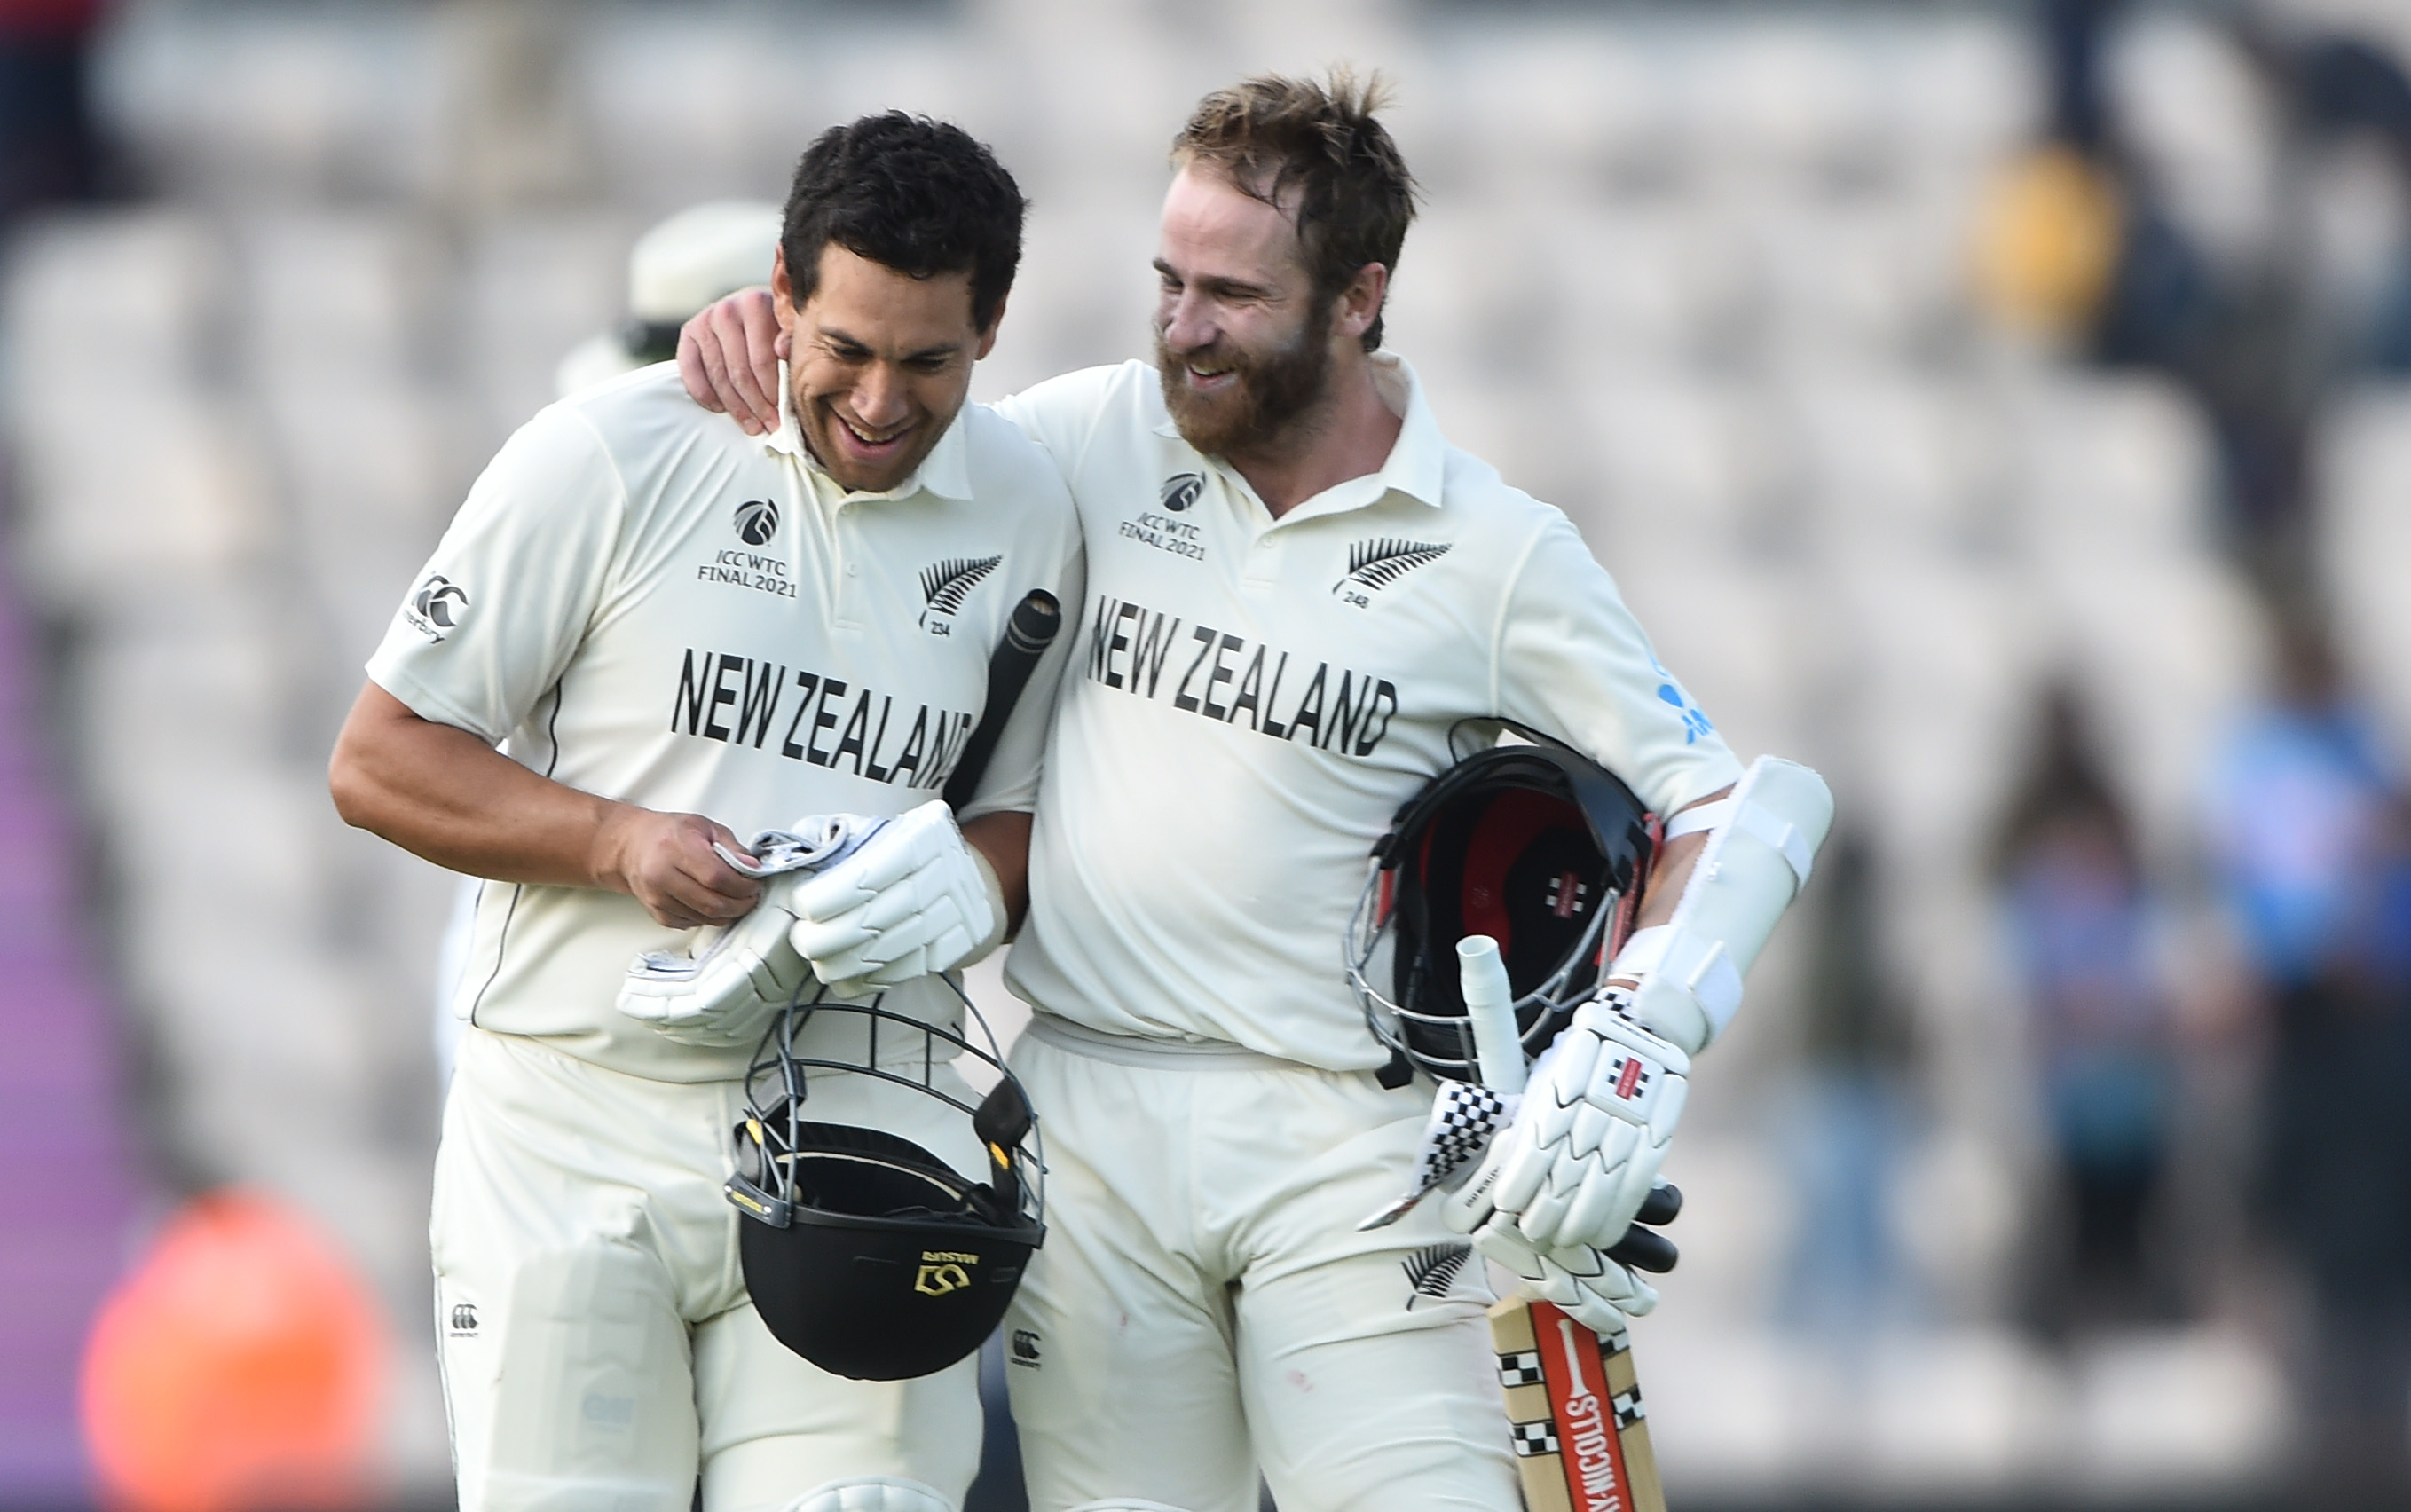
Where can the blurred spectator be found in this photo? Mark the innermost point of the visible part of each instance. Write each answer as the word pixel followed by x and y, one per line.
pixel 2249 335
pixel 1846 1278
pixel 2082 928
pixel 676 269
pixel 46 144
pixel 2314 852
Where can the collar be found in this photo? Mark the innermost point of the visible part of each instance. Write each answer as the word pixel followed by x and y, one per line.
pixel 1418 460
pixel 946 472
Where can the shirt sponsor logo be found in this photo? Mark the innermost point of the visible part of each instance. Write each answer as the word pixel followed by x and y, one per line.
pixel 747 569
pixel 1232 679
pixel 464 1320
pixel 1378 563
pixel 740 701
pixel 945 584
pixel 1695 723
pixel 757 520
pixel 436 607
pixel 1024 1349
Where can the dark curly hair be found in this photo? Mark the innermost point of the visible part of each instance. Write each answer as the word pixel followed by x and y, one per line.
pixel 912 193
pixel 1272 135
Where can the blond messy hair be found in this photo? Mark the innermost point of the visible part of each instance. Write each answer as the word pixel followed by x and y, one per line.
pixel 1275 137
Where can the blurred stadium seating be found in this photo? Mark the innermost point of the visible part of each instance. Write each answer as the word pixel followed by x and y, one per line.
pixel 1699 275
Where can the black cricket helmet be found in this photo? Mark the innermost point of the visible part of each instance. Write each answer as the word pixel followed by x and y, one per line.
pixel 1530 842
pixel 865 1253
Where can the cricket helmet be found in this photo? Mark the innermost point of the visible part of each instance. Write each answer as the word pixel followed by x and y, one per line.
pixel 1528 842
pixel 864 1252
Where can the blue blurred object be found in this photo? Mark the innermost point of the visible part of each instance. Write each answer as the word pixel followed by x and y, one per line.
pixel 46 143
pixel 2298 798
pixel 998 1487
pixel 2081 924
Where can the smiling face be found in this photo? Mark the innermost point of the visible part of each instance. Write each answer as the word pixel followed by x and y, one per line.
pixel 879 362
pixel 1243 344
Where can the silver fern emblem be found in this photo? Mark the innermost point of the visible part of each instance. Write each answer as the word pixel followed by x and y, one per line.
pixel 943 584
pixel 1432 1269
pixel 1380 562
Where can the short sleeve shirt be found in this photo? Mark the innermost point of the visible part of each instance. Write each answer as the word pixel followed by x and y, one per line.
pixel 641 602
pixel 1250 700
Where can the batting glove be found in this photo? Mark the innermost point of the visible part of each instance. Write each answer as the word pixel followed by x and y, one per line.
pixel 1599 1288
pixel 1587 1141
pixel 913 899
pixel 1598 1292
pixel 723 989
pixel 1465 1117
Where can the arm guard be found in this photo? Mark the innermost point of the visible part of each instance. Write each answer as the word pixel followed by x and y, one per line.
pixel 1762 839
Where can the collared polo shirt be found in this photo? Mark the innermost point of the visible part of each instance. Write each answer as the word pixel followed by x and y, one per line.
pixel 1250 700
pixel 641 602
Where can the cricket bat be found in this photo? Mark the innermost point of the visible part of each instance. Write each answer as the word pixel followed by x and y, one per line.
pixel 1573 1403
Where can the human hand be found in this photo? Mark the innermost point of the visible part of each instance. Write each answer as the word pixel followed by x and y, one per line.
pixel 728 356
pixel 668 862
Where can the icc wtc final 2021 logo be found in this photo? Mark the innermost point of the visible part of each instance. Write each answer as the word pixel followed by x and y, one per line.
pixel 757 520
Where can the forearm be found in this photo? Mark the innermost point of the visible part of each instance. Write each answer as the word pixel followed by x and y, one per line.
pixel 1664 888
pixel 444 796
pixel 1003 839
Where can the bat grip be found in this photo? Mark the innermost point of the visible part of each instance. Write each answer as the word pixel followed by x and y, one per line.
pixel 1490 1008
pixel 1032 628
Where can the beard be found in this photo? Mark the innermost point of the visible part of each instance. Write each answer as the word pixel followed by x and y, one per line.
pixel 1274 397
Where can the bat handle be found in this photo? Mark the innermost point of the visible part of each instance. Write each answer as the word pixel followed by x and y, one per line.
pixel 1490 1006
pixel 1028 632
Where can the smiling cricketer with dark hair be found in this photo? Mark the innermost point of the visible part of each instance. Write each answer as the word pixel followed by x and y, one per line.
pixel 645 635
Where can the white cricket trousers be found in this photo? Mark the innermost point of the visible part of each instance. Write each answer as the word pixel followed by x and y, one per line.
pixel 597 1345
pixel 1203 1307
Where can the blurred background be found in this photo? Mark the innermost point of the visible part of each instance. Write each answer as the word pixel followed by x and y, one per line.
pixel 2005 407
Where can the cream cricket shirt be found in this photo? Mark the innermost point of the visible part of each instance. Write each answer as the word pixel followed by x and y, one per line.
pixel 642 602
pixel 1250 700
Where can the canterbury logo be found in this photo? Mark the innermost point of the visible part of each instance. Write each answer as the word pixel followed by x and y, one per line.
pixel 1379 562
pixel 436 606
pixel 945 584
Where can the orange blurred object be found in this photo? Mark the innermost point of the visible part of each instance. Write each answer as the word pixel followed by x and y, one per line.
pixel 238 1368
pixel 2047 243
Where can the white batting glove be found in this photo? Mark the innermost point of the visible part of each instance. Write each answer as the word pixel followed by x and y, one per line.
pixel 913 899
pixel 1588 1138
pixel 724 987
pixel 1595 1291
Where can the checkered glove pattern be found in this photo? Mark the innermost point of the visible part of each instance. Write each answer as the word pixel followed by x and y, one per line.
pixel 1465 1117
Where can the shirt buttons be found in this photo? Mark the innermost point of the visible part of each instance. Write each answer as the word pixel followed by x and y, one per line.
pixel 852 570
